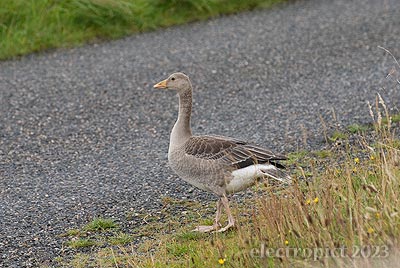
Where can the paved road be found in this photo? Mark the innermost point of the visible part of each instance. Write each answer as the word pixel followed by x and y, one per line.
pixel 84 134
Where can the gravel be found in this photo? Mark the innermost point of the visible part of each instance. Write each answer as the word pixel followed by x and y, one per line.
pixel 84 134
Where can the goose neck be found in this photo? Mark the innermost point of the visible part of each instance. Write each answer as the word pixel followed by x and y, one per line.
pixel 181 131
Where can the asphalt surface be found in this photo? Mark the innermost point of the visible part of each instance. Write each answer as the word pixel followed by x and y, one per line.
pixel 84 134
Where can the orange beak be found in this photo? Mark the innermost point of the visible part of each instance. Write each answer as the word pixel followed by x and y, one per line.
pixel 162 84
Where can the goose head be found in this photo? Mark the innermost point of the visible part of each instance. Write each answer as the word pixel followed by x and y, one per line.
pixel 176 81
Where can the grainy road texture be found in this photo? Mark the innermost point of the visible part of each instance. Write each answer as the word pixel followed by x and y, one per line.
pixel 84 134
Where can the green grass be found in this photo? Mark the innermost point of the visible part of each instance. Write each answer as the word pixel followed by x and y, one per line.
pixel 396 118
pixel 323 154
pixel 120 239
pixel 297 157
pixel 72 232
pixel 338 135
pixel 81 243
pixel 356 128
pixel 100 224
pixel 33 25
pixel 393 118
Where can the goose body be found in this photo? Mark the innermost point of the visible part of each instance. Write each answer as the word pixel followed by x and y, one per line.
pixel 216 164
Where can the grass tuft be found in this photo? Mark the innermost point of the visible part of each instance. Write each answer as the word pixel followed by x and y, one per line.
pixel 323 154
pixel 120 239
pixel 356 128
pixel 72 232
pixel 189 236
pixel 100 224
pixel 338 135
pixel 81 243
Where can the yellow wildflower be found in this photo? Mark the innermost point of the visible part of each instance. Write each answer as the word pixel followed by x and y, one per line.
pixel 316 200
pixel 355 169
pixel 286 242
pixel 308 201
pixel 377 215
pixel 371 157
pixel 370 230
pixel 221 261
pixel 357 160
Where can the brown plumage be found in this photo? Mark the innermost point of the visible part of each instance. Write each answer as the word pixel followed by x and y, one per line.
pixel 232 152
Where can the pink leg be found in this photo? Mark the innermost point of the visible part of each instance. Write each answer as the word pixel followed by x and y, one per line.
pixel 216 225
pixel 231 220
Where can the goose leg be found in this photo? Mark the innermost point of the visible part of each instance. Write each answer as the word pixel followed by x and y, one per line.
pixel 231 220
pixel 216 225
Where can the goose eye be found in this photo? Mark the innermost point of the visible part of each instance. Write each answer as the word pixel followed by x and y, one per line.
pixel 173 78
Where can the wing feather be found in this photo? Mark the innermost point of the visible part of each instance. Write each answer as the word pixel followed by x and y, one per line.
pixel 230 152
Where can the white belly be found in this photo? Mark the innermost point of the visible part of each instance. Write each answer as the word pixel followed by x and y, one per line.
pixel 246 177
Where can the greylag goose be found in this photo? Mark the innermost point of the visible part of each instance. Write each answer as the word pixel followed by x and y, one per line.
pixel 217 164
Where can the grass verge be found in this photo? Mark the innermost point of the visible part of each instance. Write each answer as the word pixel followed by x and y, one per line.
pixel 343 209
pixel 33 25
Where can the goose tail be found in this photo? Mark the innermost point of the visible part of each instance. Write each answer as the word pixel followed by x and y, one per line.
pixel 276 173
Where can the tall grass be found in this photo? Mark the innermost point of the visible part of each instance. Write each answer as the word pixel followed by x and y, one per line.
pixel 32 25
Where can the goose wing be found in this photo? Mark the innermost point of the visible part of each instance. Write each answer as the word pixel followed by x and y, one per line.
pixel 231 152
